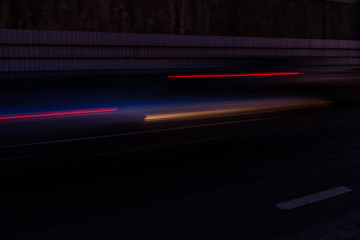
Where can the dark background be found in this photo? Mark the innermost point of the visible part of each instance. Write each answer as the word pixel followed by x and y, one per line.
pixel 216 178
pixel 261 18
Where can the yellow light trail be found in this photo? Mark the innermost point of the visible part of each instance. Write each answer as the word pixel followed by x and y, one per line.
pixel 269 106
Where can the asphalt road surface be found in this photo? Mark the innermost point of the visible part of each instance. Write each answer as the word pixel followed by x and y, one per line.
pixel 228 187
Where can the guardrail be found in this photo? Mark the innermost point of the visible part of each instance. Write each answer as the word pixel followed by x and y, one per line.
pixel 32 50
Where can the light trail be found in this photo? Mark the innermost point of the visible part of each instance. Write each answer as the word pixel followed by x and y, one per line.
pixel 237 75
pixel 224 110
pixel 57 113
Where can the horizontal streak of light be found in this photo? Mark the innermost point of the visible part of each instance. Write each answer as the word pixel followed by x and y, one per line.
pixel 59 113
pixel 237 75
pixel 290 105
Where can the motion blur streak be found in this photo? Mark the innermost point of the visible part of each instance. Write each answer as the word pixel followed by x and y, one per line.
pixel 237 75
pixel 59 113
pixel 260 107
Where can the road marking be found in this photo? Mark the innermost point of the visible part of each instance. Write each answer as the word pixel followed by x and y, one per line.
pixel 316 197
pixel 134 133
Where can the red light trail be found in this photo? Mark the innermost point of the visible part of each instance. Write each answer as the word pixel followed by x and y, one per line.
pixel 236 75
pixel 58 113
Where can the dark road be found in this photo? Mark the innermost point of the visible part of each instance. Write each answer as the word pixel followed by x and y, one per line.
pixel 226 188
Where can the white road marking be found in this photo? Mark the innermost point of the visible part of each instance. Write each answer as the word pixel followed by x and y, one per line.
pixel 316 197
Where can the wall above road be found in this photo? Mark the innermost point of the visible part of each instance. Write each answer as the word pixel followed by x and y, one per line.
pixel 316 19
pixel 34 50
